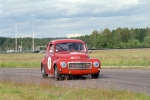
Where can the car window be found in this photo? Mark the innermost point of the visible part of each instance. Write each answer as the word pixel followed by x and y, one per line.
pixel 77 47
pixel 51 48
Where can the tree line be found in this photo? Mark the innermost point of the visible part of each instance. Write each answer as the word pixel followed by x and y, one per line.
pixel 118 38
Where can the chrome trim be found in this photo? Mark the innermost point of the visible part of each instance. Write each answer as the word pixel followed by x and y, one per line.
pixel 79 65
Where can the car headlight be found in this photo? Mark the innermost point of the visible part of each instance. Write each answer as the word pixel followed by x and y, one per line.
pixel 63 64
pixel 96 64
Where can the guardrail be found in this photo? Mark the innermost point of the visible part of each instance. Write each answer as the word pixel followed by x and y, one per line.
pixel 4 52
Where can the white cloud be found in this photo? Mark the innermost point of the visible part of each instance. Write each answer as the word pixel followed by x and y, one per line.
pixel 1 11
pixel 73 35
pixel 58 18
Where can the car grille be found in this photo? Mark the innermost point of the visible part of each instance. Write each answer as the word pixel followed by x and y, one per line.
pixel 80 65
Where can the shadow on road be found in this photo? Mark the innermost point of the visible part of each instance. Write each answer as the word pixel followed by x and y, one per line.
pixel 85 77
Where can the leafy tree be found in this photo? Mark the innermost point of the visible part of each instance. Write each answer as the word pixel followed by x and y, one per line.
pixel 93 38
pixel 106 34
pixel 125 35
pixel 133 43
pixel 118 35
pixel 132 34
pixel 146 42
pixel 117 38
pixel 140 34
pixel 100 41
pixel 148 32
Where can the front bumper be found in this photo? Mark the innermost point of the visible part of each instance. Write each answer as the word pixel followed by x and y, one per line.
pixel 79 67
pixel 79 71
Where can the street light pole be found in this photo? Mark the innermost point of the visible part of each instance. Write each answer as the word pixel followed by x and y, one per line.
pixel 33 35
pixel 16 38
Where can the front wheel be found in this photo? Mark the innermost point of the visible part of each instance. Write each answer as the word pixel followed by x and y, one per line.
pixel 95 76
pixel 57 75
pixel 43 71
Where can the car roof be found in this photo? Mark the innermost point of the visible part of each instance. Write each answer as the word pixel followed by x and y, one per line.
pixel 65 40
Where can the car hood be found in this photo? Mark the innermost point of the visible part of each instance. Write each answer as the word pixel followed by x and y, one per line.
pixel 72 55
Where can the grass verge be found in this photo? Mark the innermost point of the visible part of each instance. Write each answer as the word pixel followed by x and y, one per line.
pixel 116 58
pixel 45 91
pixel 123 58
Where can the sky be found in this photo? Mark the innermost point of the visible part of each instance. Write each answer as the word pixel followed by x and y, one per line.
pixel 67 18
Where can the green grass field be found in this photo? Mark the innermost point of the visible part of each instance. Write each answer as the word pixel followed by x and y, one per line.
pixel 116 58
pixel 45 91
pixel 123 58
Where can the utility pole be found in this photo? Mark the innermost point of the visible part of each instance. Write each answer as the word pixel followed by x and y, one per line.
pixel 33 35
pixel 16 38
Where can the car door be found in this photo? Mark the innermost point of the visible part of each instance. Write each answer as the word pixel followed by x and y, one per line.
pixel 50 59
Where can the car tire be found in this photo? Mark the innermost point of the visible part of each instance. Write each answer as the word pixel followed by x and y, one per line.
pixel 57 75
pixel 95 76
pixel 43 71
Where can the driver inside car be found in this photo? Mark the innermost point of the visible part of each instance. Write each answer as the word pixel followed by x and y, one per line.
pixel 71 48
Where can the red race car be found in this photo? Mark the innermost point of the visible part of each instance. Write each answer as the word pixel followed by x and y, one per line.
pixel 69 57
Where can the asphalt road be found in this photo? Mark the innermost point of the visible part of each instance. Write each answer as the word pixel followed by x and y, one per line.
pixel 118 79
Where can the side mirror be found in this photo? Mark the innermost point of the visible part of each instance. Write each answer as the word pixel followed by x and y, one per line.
pixel 51 51
pixel 46 46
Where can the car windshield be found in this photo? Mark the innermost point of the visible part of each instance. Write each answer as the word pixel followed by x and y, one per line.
pixel 72 47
